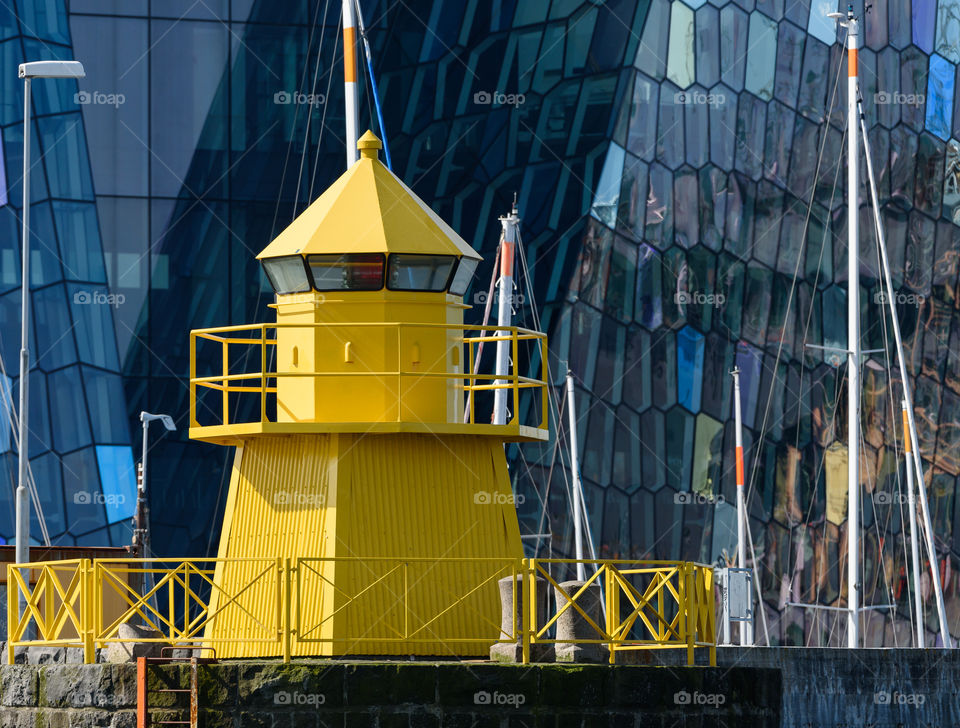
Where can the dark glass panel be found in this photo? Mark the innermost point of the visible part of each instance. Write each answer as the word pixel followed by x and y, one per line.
pixel 659 229
pixel 913 84
pixel 733 39
pixel 713 199
pixel 636 369
pixel 815 80
pixel 686 199
pixel 652 52
pixel 723 125
pixel 777 147
pixel 929 170
pixel 68 410
pixel 649 298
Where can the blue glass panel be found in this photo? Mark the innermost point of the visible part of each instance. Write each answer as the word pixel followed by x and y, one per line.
pixel 940 96
pixel 689 368
pixel 55 347
pixel 118 479
pixel 680 60
pixel 66 156
pixel 79 241
pixel 948 29
pixel 761 69
pixel 922 14
pixel 47 20
pixel 733 39
pixel 51 96
pixel 6 395
pixel 82 492
pixel 91 308
pixel 819 25
pixel 607 194
pixel 649 300
pixel 49 479
pixel 8 22
pixel 3 179
pixel 749 362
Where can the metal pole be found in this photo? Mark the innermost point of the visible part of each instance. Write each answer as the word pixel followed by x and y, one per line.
pixel 853 343
pixel 914 540
pixel 510 224
pixel 918 464
pixel 746 628
pixel 575 468
pixel 22 551
pixel 350 78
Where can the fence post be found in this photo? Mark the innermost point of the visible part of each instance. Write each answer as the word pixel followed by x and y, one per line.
pixel 13 613
pixel 691 607
pixel 612 602
pixel 711 613
pixel 286 574
pixel 528 581
pixel 87 611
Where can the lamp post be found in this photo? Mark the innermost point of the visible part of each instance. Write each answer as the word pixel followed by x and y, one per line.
pixel 28 72
pixel 146 418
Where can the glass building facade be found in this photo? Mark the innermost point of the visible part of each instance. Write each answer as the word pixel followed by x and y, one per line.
pixel 679 173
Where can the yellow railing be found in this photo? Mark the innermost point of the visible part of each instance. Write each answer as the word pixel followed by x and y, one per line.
pixel 83 603
pixel 256 341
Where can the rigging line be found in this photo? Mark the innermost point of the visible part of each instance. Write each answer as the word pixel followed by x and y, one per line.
pixel 796 270
pixel 286 159
pixel 313 91
pixel 15 431
pixel 323 117
pixel 488 305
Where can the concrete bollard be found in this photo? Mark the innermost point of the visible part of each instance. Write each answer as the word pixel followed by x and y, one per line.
pixel 511 622
pixel 572 625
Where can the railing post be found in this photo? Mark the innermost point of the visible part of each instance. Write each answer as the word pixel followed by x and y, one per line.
pixel 263 373
pixel 711 613
pixel 529 586
pixel 193 375
pixel 13 616
pixel 612 602
pixel 87 611
pixel 516 376
pixel 399 377
pixel 691 602
pixel 226 383
pixel 544 389
pixel 286 576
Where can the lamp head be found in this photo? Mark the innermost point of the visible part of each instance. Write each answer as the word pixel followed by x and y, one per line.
pixel 167 420
pixel 52 69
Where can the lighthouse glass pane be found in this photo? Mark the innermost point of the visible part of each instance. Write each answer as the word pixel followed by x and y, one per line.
pixel 419 272
pixel 357 272
pixel 287 274
pixel 463 276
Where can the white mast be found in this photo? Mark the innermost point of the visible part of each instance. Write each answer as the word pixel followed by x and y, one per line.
pixel 575 473
pixel 350 79
pixel 511 224
pixel 853 335
pixel 746 628
pixel 914 540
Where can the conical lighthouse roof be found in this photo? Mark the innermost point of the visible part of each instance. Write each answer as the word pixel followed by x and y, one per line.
pixel 368 210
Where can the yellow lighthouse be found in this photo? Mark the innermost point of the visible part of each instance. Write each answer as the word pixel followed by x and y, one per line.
pixel 365 462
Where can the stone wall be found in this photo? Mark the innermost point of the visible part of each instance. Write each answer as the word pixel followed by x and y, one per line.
pixel 320 694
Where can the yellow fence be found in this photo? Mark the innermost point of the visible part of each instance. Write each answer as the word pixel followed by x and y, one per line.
pixel 83 603
pixel 244 363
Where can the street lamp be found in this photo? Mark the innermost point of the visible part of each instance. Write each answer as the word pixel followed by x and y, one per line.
pixel 146 418
pixel 28 72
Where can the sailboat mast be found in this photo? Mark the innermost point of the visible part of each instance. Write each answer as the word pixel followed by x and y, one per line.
pixel 508 247
pixel 853 341
pixel 350 78
pixel 746 628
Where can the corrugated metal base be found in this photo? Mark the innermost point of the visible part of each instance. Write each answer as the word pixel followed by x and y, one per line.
pixel 396 497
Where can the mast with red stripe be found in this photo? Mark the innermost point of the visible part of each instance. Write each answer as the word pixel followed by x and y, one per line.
pixel 746 628
pixel 350 78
